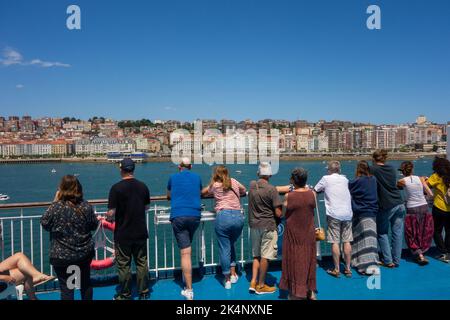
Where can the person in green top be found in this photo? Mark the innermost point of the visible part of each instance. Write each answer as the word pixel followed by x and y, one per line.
pixel 440 183
pixel 391 210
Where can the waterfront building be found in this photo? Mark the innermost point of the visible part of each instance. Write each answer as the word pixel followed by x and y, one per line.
pixel 97 146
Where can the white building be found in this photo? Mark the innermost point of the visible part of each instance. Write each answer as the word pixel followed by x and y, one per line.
pixel 104 145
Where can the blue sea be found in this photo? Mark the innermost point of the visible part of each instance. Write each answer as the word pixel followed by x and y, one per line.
pixel 36 182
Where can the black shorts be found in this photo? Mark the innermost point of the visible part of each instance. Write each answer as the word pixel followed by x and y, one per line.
pixel 184 229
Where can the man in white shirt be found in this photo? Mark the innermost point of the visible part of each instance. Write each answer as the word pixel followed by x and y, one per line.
pixel 338 205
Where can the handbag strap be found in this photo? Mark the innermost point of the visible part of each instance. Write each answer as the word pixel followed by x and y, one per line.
pixel 317 209
pixel 237 195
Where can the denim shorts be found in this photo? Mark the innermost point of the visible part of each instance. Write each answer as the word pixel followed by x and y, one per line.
pixel 184 229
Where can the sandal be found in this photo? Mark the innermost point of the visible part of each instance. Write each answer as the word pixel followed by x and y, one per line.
pixel 43 279
pixel 389 265
pixel 333 272
pixel 421 260
pixel 348 273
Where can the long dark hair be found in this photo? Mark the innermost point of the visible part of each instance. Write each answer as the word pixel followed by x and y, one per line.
pixel 70 189
pixel 441 167
pixel 407 168
pixel 362 169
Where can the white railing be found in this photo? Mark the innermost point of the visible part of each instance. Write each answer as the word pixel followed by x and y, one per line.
pixel 23 233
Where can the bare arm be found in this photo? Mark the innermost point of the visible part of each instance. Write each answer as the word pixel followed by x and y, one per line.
pixel 111 213
pixel 56 198
pixel 278 212
pixel 400 183
pixel 283 189
pixel 426 187
pixel 285 200
pixel 242 189
pixel 7 279
pixel 205 191
pixel 168 194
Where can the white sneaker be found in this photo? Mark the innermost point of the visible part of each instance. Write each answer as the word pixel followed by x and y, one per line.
pixel 188 294
pixel 234 279
pixel 227 284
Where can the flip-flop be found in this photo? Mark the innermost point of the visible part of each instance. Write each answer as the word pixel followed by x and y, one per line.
pixel 44 280
pixel 348 273
pixel 335 273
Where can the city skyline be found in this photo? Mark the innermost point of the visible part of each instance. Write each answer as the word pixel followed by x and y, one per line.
pixel 71 118
pixel 226 59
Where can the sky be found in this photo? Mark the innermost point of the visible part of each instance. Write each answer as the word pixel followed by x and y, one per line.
pixel 232 59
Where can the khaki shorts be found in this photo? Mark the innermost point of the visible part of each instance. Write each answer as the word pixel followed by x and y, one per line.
pixel 264 243
pixel 339 231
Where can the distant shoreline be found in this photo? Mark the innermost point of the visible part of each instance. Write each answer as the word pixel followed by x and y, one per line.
pixel 287 158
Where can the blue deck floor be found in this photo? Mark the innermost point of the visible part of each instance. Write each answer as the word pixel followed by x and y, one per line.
pixel 409 281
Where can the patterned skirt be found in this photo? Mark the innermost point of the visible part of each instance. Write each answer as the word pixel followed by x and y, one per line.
pixel 419 229
pixel 365 244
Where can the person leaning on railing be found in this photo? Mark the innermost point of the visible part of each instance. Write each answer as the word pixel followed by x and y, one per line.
pixel 299 240
pixel 184 193
pixel 440 183
pixel 229 219
pixel 264 207
pixel 70 221
pixel 128 203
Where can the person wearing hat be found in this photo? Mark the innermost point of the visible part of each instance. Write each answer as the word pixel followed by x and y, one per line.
pixel 264 206
pixel 128 203
pixel 184 192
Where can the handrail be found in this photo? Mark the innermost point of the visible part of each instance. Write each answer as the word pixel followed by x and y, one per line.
pixel 28 205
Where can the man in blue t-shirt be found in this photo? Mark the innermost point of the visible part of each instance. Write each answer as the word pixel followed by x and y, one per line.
pixel 184 192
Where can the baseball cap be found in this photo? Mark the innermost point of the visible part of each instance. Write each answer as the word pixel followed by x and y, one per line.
pixel 185 161
pixel 127 165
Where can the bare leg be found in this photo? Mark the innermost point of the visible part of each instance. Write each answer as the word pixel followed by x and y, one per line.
pixel 347 255
pixel 20 278
pixel 263 266
pixel 186 267
pixel 255 269
pixel 233 271
pixel 336 253
pixel 21 262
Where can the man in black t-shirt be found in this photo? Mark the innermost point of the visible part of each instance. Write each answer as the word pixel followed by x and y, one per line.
pixel 128 202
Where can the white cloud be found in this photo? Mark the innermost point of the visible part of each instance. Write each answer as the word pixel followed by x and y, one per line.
pixel 20 86
pixel 47 64
pixel 170 109
pixel 13 57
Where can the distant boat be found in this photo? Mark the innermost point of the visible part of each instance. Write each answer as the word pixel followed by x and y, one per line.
pixel 238 171
pixel 4 197
pixel 76 174
pixel 53 170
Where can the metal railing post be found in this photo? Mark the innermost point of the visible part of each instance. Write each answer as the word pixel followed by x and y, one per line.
pixel 156 243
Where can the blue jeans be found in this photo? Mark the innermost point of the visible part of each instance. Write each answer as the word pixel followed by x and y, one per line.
pixel 394 218
pixel 229 224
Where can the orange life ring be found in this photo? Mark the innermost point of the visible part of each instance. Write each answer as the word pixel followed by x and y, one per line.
pixel 107 262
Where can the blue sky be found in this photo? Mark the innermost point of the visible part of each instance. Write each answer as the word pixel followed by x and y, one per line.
pixel 235 59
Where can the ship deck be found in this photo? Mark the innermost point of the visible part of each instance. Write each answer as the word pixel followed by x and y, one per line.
pixel 408 282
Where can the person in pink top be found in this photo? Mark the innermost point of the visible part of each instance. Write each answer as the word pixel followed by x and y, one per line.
pixel 229 219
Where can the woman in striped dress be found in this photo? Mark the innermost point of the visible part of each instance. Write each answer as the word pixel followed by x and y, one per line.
pixel 365 207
